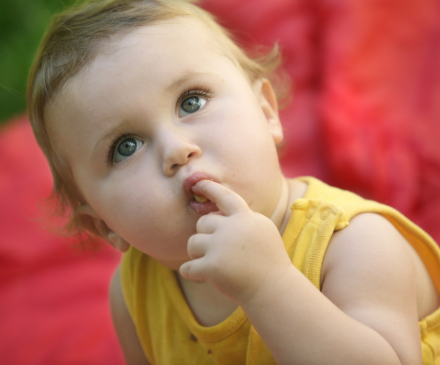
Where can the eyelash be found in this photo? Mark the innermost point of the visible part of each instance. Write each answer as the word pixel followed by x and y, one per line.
pixel 113 144
pixel 194 91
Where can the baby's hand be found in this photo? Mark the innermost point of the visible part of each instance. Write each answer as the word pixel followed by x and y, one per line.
pixel 235 251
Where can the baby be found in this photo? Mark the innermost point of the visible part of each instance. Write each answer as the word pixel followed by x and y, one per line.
pixel 162 138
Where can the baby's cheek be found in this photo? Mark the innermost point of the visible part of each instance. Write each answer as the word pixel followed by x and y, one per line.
pixel 139 218
pixel 155 225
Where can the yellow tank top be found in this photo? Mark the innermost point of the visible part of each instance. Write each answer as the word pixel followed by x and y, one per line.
pixel 170 334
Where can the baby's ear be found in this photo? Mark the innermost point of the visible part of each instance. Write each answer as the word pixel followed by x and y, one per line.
pixel 94 224
pixel 269 104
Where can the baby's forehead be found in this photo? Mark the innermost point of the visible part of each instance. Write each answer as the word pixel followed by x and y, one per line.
pixel 179 32
pixel 161 48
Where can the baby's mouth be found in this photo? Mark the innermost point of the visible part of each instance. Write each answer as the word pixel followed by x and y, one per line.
pixel 200 198
pixel 198 202
pixel 202 205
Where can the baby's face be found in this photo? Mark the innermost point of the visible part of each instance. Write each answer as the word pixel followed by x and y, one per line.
pixel 157 110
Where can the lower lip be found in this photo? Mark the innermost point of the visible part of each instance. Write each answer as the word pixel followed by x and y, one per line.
pixel 203 208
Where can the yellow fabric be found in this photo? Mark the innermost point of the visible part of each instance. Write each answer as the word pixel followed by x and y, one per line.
pixel 169 332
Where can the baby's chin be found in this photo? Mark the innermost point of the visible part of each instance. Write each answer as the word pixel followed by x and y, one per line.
pixel 173 257
pixel 173 264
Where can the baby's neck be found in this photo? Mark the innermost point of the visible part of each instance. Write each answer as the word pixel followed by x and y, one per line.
pixel 209 306
pixel 291 190
pixel 282 207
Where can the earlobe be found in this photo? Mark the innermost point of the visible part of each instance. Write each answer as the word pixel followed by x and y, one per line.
pixel 269 105
pixel 95 225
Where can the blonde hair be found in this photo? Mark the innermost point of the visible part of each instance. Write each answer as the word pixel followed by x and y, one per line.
pixel 71 43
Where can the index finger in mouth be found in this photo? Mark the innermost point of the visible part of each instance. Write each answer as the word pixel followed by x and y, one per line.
pixel 227 201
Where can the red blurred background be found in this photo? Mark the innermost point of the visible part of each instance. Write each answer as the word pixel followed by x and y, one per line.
pixel 365 117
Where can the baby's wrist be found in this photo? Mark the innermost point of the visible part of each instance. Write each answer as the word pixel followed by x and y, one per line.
pixel 272 286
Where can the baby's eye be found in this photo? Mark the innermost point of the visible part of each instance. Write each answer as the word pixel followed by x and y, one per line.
pixel 191 105
pixel 124 148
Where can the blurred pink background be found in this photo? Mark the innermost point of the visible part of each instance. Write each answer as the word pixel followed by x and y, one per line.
pixel 365 117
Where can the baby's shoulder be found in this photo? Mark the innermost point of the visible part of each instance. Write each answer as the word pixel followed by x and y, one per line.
pixel 370 253
pixel 368 235
pixel 370 245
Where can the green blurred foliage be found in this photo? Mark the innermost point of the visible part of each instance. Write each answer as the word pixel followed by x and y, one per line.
pixel 22 25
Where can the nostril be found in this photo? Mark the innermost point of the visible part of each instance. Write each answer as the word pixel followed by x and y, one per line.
pixel 174 166
pixel 191 154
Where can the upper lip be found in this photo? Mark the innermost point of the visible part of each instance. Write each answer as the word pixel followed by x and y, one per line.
pixel 193 179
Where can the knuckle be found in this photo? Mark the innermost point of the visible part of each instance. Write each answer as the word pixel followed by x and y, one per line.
pixel 191 240
pixel 226 192
pixel 223 193
pixel 202 221
pixel 185 270
pixel 192 243
pixel 215 267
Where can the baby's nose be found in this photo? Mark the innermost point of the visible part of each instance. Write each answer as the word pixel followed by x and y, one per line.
pixel 178 152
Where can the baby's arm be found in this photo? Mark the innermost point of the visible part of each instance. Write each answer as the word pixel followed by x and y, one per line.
pixel 125 329
pixel 366 313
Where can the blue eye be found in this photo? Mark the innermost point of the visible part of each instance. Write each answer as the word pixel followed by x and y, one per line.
pixel 124 148
pixel 191 105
